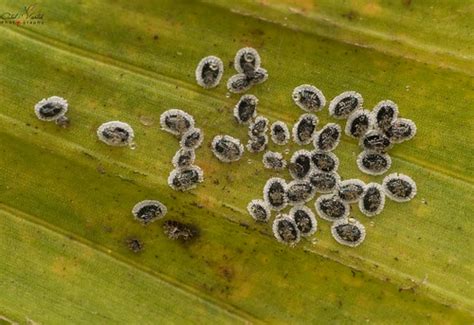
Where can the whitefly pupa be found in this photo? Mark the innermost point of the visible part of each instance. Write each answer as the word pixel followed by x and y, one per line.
pixel 325 161
pixel 331 208
pixel 373 163
pixel 279 133
pixel 348 232
pixel 358 123
pixel 304 219
pixel 285 230
pixel 259 210
pixel 257 143
pixel 350 190
pixel 375 140
pixel 324 182
pixel 344 104
pixel 209 71
pixel 246 61
pixel 238 83
pixel 328 137
pixel 176 121
pixel 260 75
pixel 186 178
pixel 51 109
pixel 300 164
pixel 274 160
pixel 116 133
pixel 227 148
pixel 192 138
pixel 246 109
pixel 399 187
pixel 385 113
pixel 373 200
pixel 299 192
pixel 274 193
pixel 401 130
pixel 258 126
pixel 183 158
pixel 148 211
pixel 308 98
pixel 304 129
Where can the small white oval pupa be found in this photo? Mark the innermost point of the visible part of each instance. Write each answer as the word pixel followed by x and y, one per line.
pixel 274 160
pixel 246 109
pixel 309 98
pixel 358 123
pixel 279 133
pixel 300 164
pixel 285 230
pixel 304 219
pixel 399 187
pixel 259 210
pixel 209 71
pixel 324 182
pixel 183 158
pixel 325 161
pixel 192 139
pixel 384 114
pixel 226 148
pixel 116 133
pixel 331 208
pixel 246 61
pixel 258 127
pixel 348 232
pixel 345 104
pixel 375 140
pixel 299 192
pixel 51 109
pixel 148 211
pixel 176 121
pixel 186 178
pixel 304 129
pixel 401 130
pixel 274 193
pixel 328 137
pixel 373 163
pixel 373 200
pixel 350 190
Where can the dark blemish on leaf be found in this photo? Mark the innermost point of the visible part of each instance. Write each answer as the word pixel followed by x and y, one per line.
pixel 176 230
pixel 134 244
pixel 350 15
pixel 156 37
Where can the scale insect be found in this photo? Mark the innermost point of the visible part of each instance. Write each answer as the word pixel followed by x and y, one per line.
pixel 324 182
pixel 373 163
pixel 148 211
pixel 328 137
pixel 176 122
pixel 238 83
pixel 399 187
pixel 299 192
pixel 258 126
pixel 186 178
pixel 209 72
pixel 375 140
pixel 344 104
pixel 348 232
pixel 246 109
pixel 331 208
pixel 51 109
pixel 273 160
pixel 373 200
pixel 401 130
pixel 304 129
pixel 300 164
pixel 246 61
pixel 308 98
pixel 325 161
pixel 385 113
pixel 285 230
pixel 358 123
pixel 259 210
pixel 351 190
pixel 192 139
pixel 226 148
pixel 257 143
pixel 274 193
pixel 279 133
pixel 183 158
pixel 304 219
pixel 116 133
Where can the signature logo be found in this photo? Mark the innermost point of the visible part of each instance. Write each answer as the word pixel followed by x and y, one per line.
pixel 29 15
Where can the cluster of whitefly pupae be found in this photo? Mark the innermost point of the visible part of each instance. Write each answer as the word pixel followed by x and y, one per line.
pixel 185 175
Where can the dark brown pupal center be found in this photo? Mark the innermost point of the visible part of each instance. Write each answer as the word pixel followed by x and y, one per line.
pixel 299 192
pixel 149 212
pixel 51 109
pixel 276 194
pixel 376 142
pixel 333 208
pixel 228 149
pixel 279 133
pixel 259 212
pixel 301 167
pixel 399 188
pixel 385 116
pixel 287 231
pixel 346 106
pixel 258 127
pixel 399 131
pixel 359 125
pixel 323 181
pixel 178 123
pixel 349 233
pixel 323 161
pixel 305 129
pixel 186 178
pixel 210 72
pixel 240 84
pixel 247 62
pixel 258 143
pixel 351 192
pixel 372 199
pixel 303 221
pixel 246 109
pixel 328 138
pixel 374 162
pixel 309 99
pixel 192 139
pixel 116 134
pixel 258 76
pixel 273 161
pixel 185 159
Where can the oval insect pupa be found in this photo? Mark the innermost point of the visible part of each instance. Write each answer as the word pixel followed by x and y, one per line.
pixel 348 232
pixel 148 211
pixel 176 121
pixel 116 133
pixel 226 148
pixel 328 137
pixel 384 114
pixel 304 129
pixel 351 190
pixel 300 164
pixel 325 161
pixel 274 193
pixel 51 109
pixel 257 143
pixel 399 187
pixel 345 104
pixel 238 83
pixel 246 109
pixel 183 158
pixel 209 71
pixel 258 127
pixel 274 160
pixel 279 133
pixel 324 182
pixel 358 123
pixel 373 163
pixel 299 192
pixel 192 139
pixel 375 140
pixel 401 130
pixel 304 219
pixel 309 98
pixel 259 210
pixel 373 200
pixel 186 178
pixel 246 61
pixel 331 208
pixel 285 230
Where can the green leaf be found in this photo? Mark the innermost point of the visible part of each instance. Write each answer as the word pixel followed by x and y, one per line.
pixel 65 197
